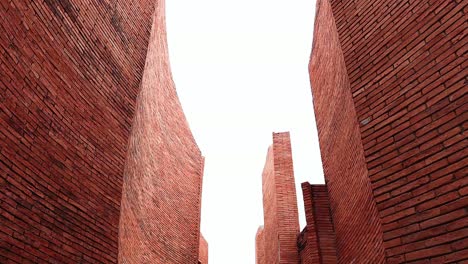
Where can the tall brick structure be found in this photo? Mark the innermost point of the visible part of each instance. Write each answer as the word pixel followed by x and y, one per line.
pixel 281 222
pixel 389 85
pixel 160 215
pixel 70 75
pixel 389 89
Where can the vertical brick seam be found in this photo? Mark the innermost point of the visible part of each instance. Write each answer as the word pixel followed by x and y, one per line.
pixel 281 223
pixel 288 219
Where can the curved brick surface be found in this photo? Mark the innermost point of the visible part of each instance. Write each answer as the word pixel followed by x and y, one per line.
pixel 70 72
pixel 354 212
pixel 160 214
pixel 407 69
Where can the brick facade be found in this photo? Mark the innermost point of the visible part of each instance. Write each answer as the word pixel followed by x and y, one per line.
pixel 70 73
pixel 355 216
pixel 396 71
pixel 281 222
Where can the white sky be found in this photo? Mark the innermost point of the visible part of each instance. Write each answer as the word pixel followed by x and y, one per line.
pixel 240 69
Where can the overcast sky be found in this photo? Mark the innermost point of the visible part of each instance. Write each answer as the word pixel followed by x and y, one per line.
pixel 240 69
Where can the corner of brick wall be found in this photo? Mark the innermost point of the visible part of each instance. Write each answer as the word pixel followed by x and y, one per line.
pixel 355 216
pixel 69 77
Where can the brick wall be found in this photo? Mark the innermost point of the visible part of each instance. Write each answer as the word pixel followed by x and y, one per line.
pixel 406 62
pixel 318 243
pixel 354 211
pixel 69 76
pixel 160 216
pixel 203 251
pixel 259 247
pixel 281 223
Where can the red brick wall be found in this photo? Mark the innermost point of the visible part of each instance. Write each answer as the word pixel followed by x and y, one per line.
pixel 69 76
pixel 354 211
pixel 270 235
pixel 203 251
pixel 319 243
pixel 259 247
pixel 281 222
pixel 407 64
pixel 160 216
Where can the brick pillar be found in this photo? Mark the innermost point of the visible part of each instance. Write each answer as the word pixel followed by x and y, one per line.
pixel 160 216
pixel 281 224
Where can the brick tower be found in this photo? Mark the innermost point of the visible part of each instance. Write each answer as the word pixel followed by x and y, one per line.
pixel 281 222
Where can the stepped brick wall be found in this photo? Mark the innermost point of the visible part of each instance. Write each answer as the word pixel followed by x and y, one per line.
pixel 70 75
pixel 406 62
pixel 281 222
pixel 318 243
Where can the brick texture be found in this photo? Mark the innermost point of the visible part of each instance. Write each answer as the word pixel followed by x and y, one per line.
pixel 160 215
pixel 317 243
pixel 259 247
pixel 406 62
pixel 70 73
pixel 356 221
pixel 281 222
pixel 403 64
pixel 203 251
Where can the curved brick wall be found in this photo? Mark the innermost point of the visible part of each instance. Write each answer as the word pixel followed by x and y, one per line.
pixel 69 76
pixel 354 212
pixel 407 69
pixel 160 214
